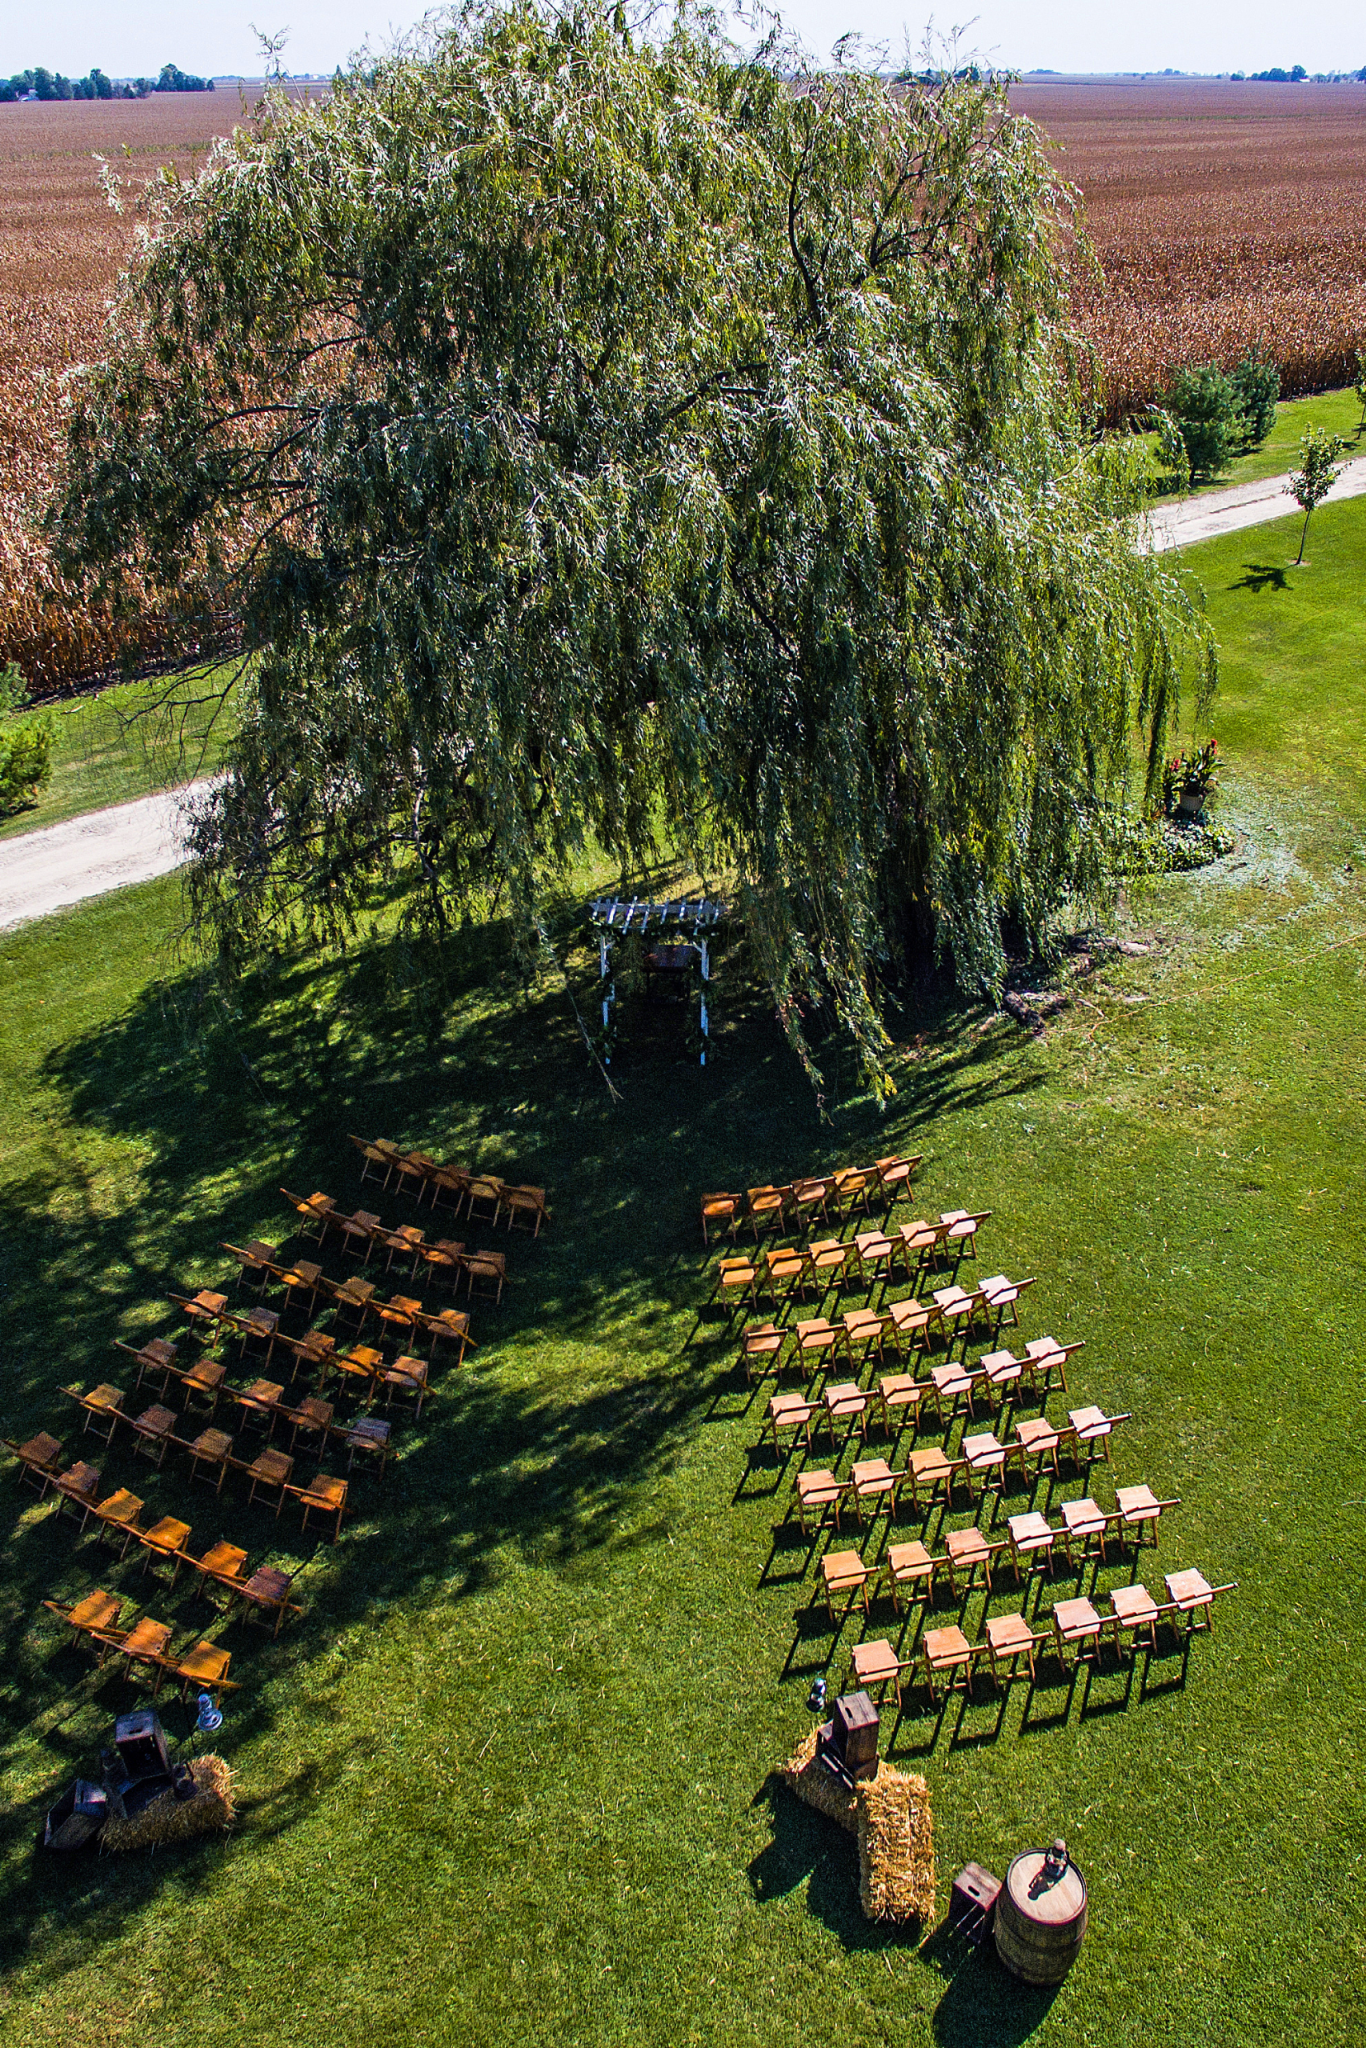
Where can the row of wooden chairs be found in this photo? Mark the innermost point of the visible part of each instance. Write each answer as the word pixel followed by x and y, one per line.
pixel 94 1620
pixel 261 1406
pixel 355 1302
pixel 270 1474
pixel 812 1343
pixel 870 1256
pixel 900 1395
pixel 1031 1545
pixel 476 1196
pixel 800 1202
pixel 447 1261
pixel 264 1591
pixel 316 1354
pixel 930 1473
pixel 944 1656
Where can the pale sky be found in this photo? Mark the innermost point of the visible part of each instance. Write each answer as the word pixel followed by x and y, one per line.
pixel 215 36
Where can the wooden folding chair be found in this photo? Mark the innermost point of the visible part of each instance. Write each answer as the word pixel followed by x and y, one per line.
pixel 368 1437
pixel 876 1663
pixel 256 1264
pixel 491 1270
pixel 765 1207
pixel 1138 1508
pixel 406 1376
pixel 260 1403
pixel 526 1208
pixel 1001 1370
pixel 931 1470
pixel 958 1308
pixel 452 1181
pixel 920 1242
pixel 267 1592
pixel 452 1326
pixel 1009 1637
pixel 1192 1595
pixel 895 1174
pixel 102 1404
pixel 259 1326
pixel 863 1329
pixel 818 1491
pixel 944 1652
pixel 965 1550
pixel 397 1317
pixel 377 1156
pixel 120 1511
pixel 315 1212
pixel 761 1349
pixel 222 1564
pixel 156 1356
pixel 784 1270
pixel 1003 1299
pixel 847 1403
pixel 352 1301
pixel 153 1430
pixel 1036 1438
pixel 850 1185
pixel 361 1365
pixel 1044 1356
pixel 271 1468
pixel 874 1483
pixel 211 1451
pixel 874 1252
pixel 736 1278
pixel 1089 1430
pixel 790 1415
pixel 985 1457
pixel 913 1321
pixel 1134 1613
pixel 165 1539
pixel 1083 1523
pixel 38 1459
pixel 960 1238
pixel 900 1393
pixel 831 1263
pixel 202 1669
pixel 843 1571
pixel 91 1619
pixel 953 1382
pixel 810 1199
pixel 483 1199
pixel 145 1643
pixel 77 1485
pixel 720 1211
pixel 407 1243
pixel 1031 1539
pixel 303 1277
pixel 312 1417
pixel 816 1340
pixel 1076 1625
pixel 359 1233
pixel 910 1565
pixel 325 1496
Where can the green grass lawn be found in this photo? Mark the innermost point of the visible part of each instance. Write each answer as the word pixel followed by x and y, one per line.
pixel 1337 412
pixel 125 742
pixel 510 1779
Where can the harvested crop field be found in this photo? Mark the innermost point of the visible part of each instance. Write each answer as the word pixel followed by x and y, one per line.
pixel 61 247
pixel 1223 214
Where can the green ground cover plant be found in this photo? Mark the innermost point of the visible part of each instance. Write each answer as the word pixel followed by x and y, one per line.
pixel 124 742
pixel 510 1777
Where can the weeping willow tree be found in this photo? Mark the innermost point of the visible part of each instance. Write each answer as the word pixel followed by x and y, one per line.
pixel 604 437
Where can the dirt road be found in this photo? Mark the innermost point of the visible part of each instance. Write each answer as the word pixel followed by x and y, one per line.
pixel 46 870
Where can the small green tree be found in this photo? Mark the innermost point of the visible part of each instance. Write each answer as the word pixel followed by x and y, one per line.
pixel 25 747
pixel 1256 386
pixel 1316 475
pixel 1204 404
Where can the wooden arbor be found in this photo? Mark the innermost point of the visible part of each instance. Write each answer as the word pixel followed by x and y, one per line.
pixel 669 934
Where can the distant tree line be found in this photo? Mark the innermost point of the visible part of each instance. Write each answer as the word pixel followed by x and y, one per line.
pixel 51 85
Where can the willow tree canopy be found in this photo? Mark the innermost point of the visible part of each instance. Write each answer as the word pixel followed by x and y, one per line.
pixel 601 438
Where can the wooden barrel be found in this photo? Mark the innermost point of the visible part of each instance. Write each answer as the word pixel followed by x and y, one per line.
pixel 1041 1915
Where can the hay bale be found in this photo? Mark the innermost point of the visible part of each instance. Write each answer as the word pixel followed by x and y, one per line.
pixel 895 1847
pixel 166 1819
pixel 816 1786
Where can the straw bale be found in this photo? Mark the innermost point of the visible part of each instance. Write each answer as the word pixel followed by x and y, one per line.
pixel 815 1785
pixel 895 1847
pixel 166 1819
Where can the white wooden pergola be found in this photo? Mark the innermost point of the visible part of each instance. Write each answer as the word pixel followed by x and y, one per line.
pixel 685 921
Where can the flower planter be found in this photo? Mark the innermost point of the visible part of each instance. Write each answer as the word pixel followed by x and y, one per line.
pixel 1191 802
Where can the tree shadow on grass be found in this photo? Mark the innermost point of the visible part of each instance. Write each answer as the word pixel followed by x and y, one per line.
pixel 177 1124
pixel 1261 576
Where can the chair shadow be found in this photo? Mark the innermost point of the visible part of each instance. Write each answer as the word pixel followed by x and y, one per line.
pixel 983 2005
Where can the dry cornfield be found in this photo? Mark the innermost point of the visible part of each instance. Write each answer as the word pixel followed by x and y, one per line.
pixel 1223 215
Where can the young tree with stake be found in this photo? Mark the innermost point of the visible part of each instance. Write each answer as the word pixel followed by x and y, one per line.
pixel 1315 477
